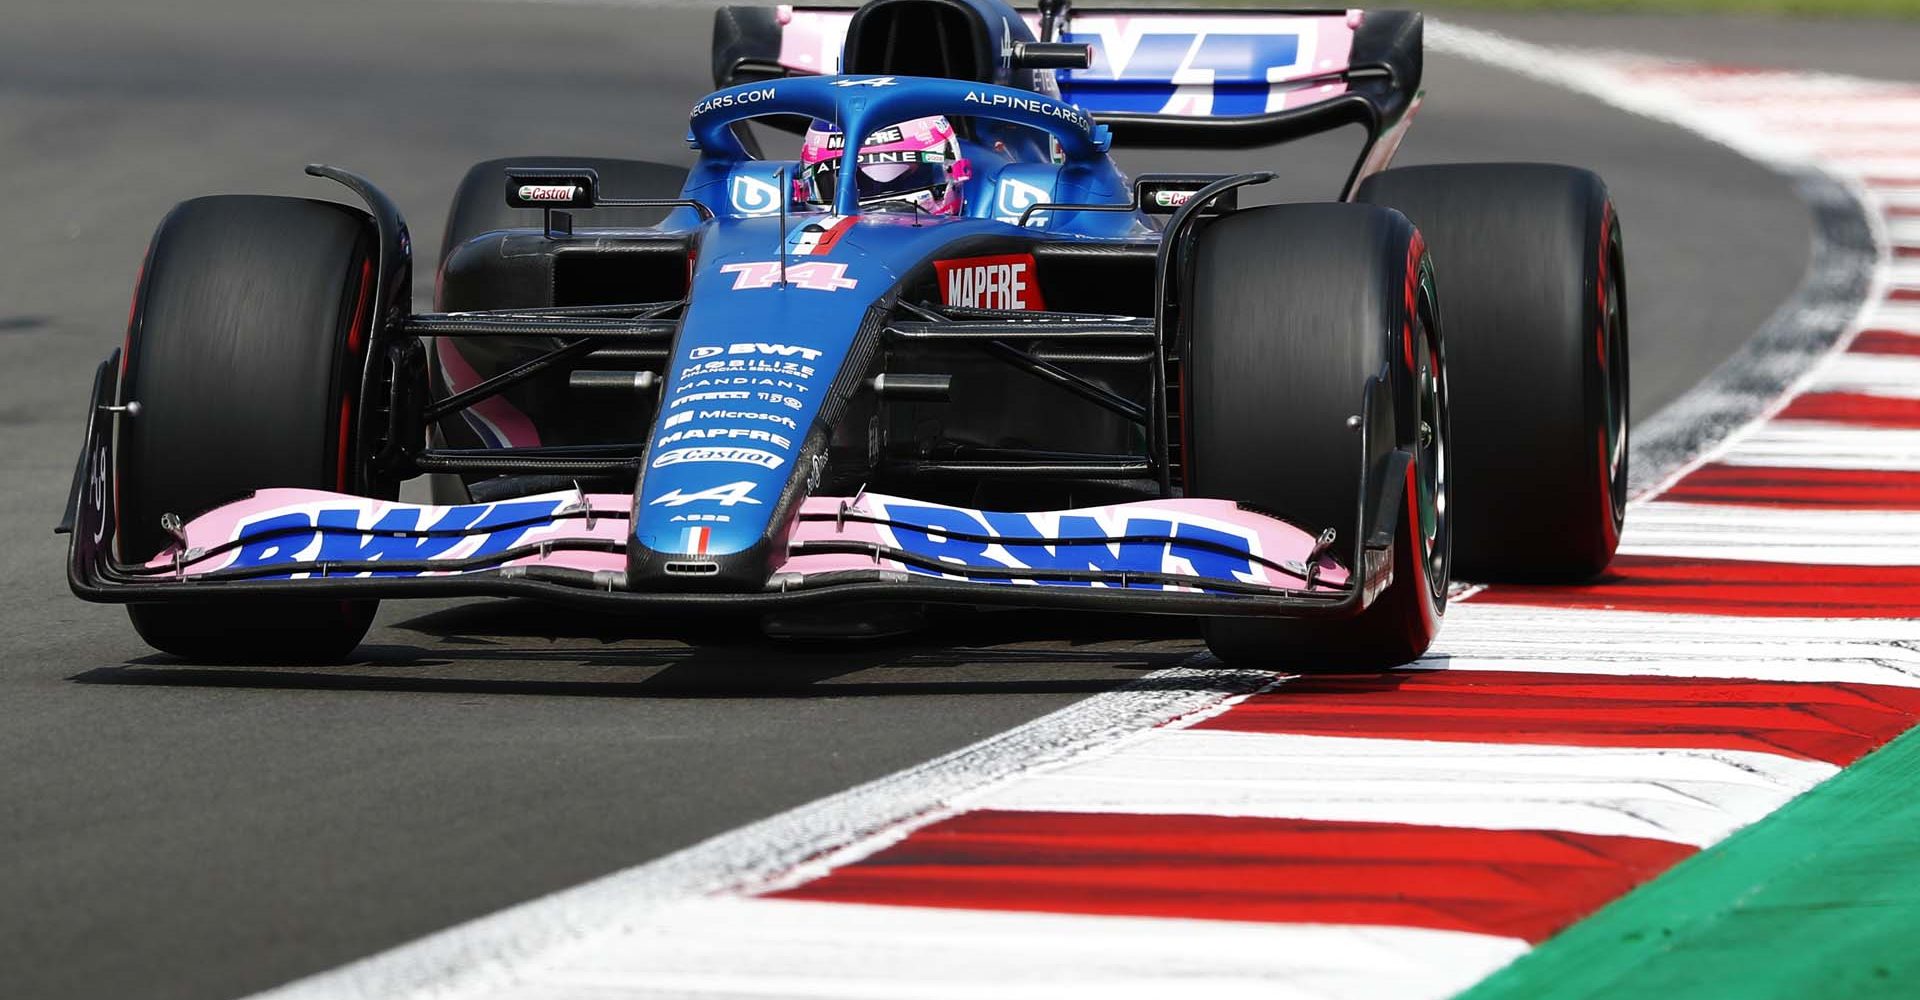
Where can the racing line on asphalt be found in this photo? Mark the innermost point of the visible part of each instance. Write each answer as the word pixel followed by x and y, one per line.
pixel 1404 834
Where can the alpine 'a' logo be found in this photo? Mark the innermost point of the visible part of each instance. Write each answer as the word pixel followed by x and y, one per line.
pixel 1000 282
pixel 726 496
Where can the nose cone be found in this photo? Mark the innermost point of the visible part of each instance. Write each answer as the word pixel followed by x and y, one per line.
pixel 780 328
pixel 761 345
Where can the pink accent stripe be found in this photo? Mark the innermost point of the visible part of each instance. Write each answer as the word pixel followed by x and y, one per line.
pixel 515 429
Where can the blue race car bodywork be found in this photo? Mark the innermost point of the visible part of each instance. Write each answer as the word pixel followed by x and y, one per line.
pixel 791 353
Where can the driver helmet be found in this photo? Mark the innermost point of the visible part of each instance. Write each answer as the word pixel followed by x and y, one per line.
pixel 913 164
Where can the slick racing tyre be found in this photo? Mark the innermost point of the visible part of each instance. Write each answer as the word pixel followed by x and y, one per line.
pixel 1292 308
pixel 480 205
pixel 1531 274
pixel 245 351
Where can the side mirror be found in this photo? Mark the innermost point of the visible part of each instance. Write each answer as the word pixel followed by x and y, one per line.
pixel 550 189
pixel 1051 55
pixel 1163 194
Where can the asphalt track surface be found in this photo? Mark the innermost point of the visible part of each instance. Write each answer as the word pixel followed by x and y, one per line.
pixel 169 830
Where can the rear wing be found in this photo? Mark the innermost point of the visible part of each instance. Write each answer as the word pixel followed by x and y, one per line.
pixel 1158 77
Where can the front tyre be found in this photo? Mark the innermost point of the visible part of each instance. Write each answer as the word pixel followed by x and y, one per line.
pixel 245 350
pixel 1292 309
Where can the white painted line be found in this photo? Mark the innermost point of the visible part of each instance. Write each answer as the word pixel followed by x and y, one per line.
pixel 1799 650
pixel 737 948
pixel 1893 376
pixel 1685 796
pixel 1774 534
pixel 482 956
pixel 1804 444
pixel 1889 315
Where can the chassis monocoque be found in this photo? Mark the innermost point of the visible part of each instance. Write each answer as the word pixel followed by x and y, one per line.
pixel 648 388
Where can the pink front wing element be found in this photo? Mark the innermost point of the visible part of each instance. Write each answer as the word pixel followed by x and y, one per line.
pixel 497 525
pixel 1220 520
pixel 298 530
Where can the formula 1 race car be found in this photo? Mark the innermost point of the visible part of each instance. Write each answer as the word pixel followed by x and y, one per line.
pixel 950 354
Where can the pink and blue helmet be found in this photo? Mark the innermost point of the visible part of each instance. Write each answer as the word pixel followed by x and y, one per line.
pixel 913 164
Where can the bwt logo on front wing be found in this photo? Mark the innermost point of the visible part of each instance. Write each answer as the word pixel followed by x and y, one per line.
pixel 778 350
pixel 1015 541
pixel 463 532
pixel 1002 282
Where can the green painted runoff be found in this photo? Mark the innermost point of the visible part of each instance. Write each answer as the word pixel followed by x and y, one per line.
pixel 1821 899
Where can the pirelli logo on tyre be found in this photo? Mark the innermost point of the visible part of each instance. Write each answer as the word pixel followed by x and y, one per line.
pixel 1003 281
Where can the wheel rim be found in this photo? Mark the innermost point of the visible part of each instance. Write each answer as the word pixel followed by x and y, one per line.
pixel 1615 370
pixel 1430 473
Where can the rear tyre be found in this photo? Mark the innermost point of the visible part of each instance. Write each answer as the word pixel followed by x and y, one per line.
pixel 1531 268
pixel 245 351
pixel 479 206
pixel 1293 308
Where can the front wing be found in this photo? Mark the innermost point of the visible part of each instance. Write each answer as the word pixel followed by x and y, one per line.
pixel 1173 556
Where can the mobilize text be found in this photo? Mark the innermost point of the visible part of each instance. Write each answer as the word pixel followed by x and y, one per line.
pixel 740 366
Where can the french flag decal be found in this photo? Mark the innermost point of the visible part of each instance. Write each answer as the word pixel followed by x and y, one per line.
pixel 817 237
pixel 696 543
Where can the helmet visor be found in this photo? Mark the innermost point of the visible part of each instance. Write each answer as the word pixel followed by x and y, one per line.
pixel 881 175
